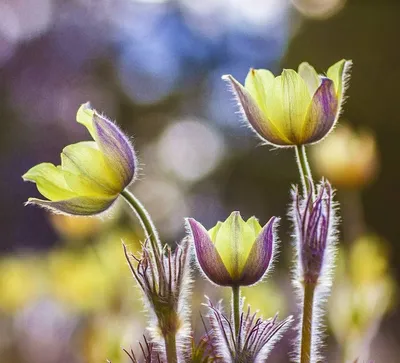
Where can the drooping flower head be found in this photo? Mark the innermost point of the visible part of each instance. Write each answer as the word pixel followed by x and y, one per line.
pixel 295 108
pixel 314 222
pixel 92 173
pixel 235 252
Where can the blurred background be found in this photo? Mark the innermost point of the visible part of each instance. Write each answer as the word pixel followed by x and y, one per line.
pixel 155 66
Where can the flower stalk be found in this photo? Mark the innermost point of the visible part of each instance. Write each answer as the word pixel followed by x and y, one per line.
pixel 148 226
pixel 304 169
pixel 236 308
pixel 309 288
pixel 306 329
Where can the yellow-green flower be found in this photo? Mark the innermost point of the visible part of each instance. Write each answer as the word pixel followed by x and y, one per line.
pixel 92 173
pixel 295 108
pixel 235 252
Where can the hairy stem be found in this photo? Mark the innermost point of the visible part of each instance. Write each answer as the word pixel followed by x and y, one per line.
pixel 170 348
pixel 145 220
pixel 304 169
pixel 306 325
pixel 236 308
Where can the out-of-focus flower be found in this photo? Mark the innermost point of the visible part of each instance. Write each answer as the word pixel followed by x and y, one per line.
pixel 255 339
pixel 295 108
pixel 21 281
pixel 314 230
pixel 348 159
pixel 75 228
pixel 255 297
pixel 92 173
pixel 363 293
pixel 235 252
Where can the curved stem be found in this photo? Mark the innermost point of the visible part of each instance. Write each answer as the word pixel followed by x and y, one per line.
pixel 170 348
pixel 304 169
pixel 145 220
pixel 236 308
pixel 306 328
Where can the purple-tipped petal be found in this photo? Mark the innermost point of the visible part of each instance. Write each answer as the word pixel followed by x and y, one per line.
pixel 260 255
pixel 116 147
pixel 257 120
pixel 79 206
pixel 207 255
pixel 322 112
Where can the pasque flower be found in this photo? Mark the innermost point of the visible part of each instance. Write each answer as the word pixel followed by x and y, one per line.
pixel 92 173
pixel 235 252
pixel 295 108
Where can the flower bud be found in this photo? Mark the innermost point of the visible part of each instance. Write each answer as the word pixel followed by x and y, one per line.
pixel 348 159
pixel 235 252
pixel 314 222
pixel 295 108
pixel 92 173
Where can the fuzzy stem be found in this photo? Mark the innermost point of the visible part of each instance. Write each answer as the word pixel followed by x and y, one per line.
pixel 170 348
pixel 145 220
pixel 306 329
pixel 304 169
pixel 236 308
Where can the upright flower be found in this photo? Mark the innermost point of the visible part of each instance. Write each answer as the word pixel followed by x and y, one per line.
pixel 235 252
pixel 295 108
pixel 92 173
pixel 314 222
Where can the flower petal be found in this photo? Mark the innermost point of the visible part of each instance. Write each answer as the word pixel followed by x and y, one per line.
pixel 310 76
pixel 338 73
pixel 213 232
pixel 253 223
pixel 50 181
pixel 85 117
pixel 257 83
pixel 322 113
pixel 287 106
pixel 256 118
pixel 81 206
pixel 116 147
pixel 260 255
pixel 84 159
pixel 234 242
pixel 207 255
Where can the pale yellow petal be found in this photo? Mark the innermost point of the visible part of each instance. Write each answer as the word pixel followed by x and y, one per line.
pixel 310 76
pixel 254 224
pixel 89 174
pixel 288 103
pixel 85 117
pixel 258 82
pixel 234 242
pixel 50 181
pixel 213 232
pixel 337 73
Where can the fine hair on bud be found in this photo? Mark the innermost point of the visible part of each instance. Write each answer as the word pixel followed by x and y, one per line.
pixel 166 291
pixel 315 237
pixel 255 340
